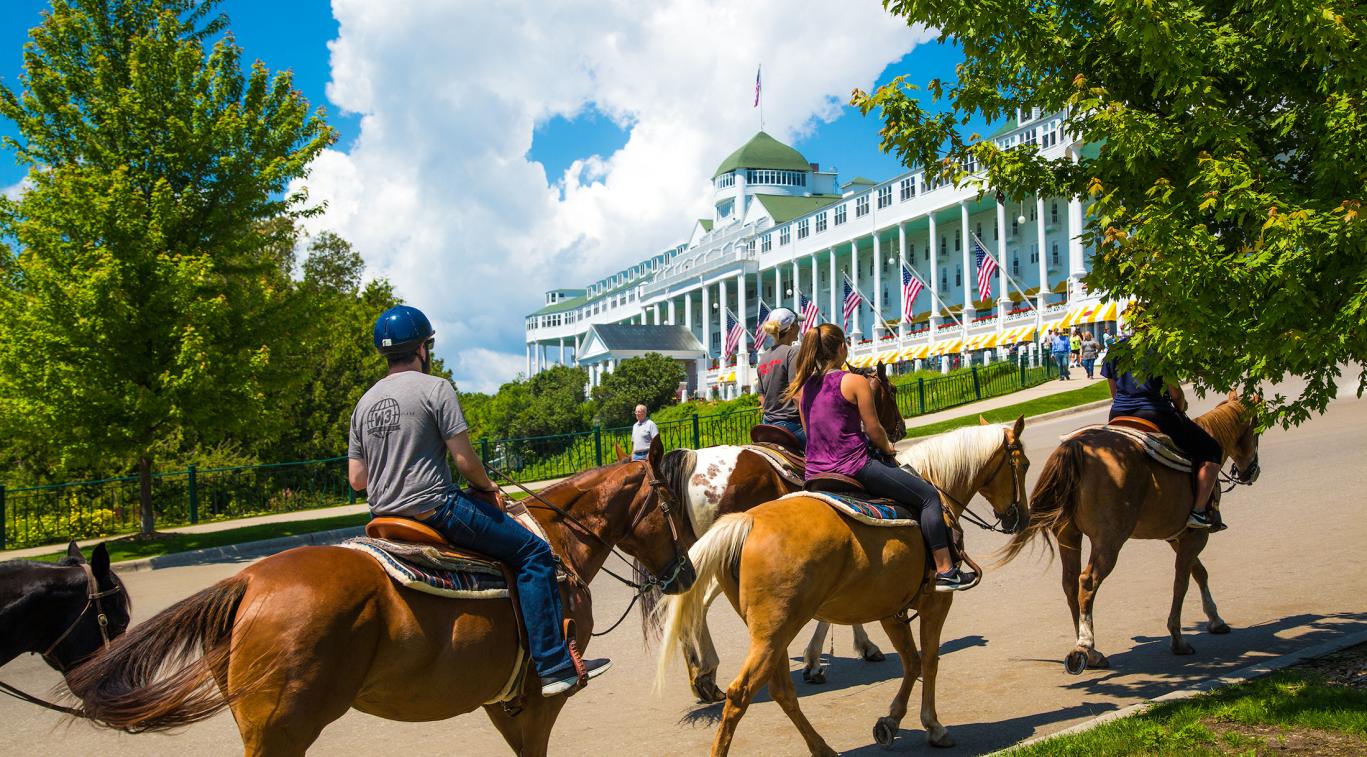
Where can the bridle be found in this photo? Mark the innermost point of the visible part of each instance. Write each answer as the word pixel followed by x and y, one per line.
pixel 1012 515
pixel 93 598
pixel 678 569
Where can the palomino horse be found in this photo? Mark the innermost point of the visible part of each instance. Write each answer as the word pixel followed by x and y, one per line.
pixel 788 561
pixel 717 481
pixel 294 641
pixel 1103 485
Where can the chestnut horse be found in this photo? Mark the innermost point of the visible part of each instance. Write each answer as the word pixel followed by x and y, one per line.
pixel 788 561
pixel 1104 486
pixel 731 479
pixel 295 640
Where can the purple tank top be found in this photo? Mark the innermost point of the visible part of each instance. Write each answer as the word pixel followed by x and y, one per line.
pixel 835 435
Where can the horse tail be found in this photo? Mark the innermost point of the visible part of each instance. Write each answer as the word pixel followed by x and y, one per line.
pixel 1053 501
pixel 161 674
pixel 717 551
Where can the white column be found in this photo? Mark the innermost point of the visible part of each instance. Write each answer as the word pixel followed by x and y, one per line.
pixel 797 285
pixel 706 323
pixel 655 314
pixel 901 261
pixel 778 289
pixel 1076 268
pixel 688 311
pixel 562 350
pixel 1043 266
pixel 1003 297
pixel 816 294
pixel 721 317
pixel 970 276
pixel 834 312
pixel 877 289
pixel 934 275
pixel 669 312
pixel 854 282
pixel 528 370
pixel 742 349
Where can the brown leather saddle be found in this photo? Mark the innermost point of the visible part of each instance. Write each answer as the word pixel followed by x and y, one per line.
pixel 781 442
pixel 1138 424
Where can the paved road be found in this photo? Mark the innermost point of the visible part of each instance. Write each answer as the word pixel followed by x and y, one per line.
pixel 1289 573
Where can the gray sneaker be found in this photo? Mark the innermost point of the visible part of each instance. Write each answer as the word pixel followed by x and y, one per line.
pixel 561 681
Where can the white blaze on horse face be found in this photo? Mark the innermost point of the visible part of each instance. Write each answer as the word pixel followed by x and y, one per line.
pixel 707 485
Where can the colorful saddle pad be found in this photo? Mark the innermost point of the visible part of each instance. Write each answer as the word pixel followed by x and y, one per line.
pixel 870 511
pixel 424 568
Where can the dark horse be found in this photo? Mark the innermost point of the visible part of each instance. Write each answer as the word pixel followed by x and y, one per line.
pixel 65 611
pixel 294 641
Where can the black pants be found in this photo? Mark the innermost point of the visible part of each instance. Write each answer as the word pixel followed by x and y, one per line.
pixel 1200 446
pixel 915 494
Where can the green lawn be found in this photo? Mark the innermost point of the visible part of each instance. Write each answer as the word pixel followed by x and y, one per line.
pixel 1295 710
pixel 1061 401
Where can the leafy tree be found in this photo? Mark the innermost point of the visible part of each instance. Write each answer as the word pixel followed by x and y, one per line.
pixel 142 302
pixel 1226 169
pixel 555 403
pixel 651 380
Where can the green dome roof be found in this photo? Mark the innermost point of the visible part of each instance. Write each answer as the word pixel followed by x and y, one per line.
pixel 763 151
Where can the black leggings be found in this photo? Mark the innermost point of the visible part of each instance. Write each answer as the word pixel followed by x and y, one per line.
pixel 1200 446
pixel 883 480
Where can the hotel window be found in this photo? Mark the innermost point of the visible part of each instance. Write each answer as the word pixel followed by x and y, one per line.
pixel 1015 227
pixel 926 255
pixel 1032 212
pixel 1053 211
pixel 840 211
pixel 861 206
pixel 958 242
pixel 944 278
pixel 802 229
pixel 766 242
pixel 1015 265
pixel 884 196
pixel 820 222
pixel 996 232
pixel 942 245
pixel 980 229
pixel 727 179
pixel 1055 255
pixel 958 276
pixel 785 235
pixel 908 188
pixel 776 178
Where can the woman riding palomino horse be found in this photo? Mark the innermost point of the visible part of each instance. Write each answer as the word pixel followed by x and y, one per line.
pixel 786 562
pixel 1104 485
pixel 775 367
pixel 838 413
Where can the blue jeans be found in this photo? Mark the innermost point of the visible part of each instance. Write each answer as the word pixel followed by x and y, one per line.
pixel 1062 359
pixel 475 524
pixel 915 494
pixel 795 428
pixel 1088 363
pixel 640 455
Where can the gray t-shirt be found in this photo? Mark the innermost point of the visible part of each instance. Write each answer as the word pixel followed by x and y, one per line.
pixel 642 433
pixel 775 368
pixel 399 429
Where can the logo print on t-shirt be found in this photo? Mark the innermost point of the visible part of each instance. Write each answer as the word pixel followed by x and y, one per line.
pixel 383 417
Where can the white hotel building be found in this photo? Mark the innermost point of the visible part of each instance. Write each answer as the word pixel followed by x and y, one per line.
pixel 782 228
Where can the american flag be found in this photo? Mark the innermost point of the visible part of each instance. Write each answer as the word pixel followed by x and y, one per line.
pixel 734 329
pixel 987 268
pixel 852 300
pixel 761 336
pixel 911 286
pixel 810 314
pixel 757 71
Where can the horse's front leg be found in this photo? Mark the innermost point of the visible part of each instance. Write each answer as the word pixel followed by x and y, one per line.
pixel 934 610
pixel 1187 547
pixel 899 633
pixel 865 647
pixel 1215 624
pixel 812 669
pixel 1099 565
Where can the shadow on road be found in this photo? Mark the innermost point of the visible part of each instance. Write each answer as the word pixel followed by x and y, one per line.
pixel 975 738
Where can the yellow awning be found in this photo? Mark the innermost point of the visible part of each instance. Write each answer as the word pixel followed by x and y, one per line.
pixel 1092 312
pixel 979 341
pixel 945 347
pixel 916 353
pixel 1015 336
pixel 889 356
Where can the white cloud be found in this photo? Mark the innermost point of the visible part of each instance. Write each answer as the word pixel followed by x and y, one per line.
pixel 16 190
pixel 437 191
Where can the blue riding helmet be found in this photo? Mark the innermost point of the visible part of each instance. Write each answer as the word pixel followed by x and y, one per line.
pixel 401 329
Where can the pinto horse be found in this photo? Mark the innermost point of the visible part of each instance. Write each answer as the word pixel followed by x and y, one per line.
pixel 295 640
pixel 1104 486
pixel 717 481
pixel 785 562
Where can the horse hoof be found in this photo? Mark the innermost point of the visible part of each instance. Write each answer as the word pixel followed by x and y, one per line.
pixel 1218 628
pixel 1075 662
pixel 1098 660
pixel 1183 648
pixel 943 742
pixel 885 731
pixel 873 656
pixel 707 691
pixel 817 676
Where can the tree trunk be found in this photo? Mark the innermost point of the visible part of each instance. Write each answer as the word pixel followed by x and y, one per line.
pixel 145 494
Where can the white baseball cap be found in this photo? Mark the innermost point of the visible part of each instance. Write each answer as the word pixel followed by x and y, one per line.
pixel 783 317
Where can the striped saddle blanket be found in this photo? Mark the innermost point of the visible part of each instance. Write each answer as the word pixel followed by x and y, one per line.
pixel 870 511
pixel 430 570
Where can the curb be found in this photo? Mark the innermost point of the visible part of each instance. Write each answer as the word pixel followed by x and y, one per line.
pixel 1248 673
pixel 238 552
pixel 1052 414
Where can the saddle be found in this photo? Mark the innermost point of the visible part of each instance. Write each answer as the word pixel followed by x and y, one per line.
pixel 780 448
pixel 1155 443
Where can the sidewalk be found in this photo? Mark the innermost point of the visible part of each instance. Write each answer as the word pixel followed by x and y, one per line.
pixel 973 408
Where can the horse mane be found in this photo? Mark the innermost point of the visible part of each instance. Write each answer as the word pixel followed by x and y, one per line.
pixel 1225 422
pixel 951 461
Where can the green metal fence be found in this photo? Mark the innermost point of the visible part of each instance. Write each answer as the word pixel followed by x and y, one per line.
pixel 86 509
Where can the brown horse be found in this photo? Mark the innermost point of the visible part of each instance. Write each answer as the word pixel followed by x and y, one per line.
pixel 1104 486
pixel 294 641
pixel 788 561
pixel 718 481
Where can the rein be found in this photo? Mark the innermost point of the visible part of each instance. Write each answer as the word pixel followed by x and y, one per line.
pixel 651 583
pixel 92 599
pixel 966 513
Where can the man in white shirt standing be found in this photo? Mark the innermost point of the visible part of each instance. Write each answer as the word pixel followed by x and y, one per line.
pixel 642 434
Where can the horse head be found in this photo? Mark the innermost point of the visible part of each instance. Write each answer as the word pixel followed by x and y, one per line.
pixel 885 401
pixel 104 610
pixel 1004 488
pixel 1243 447
pixel 659 534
